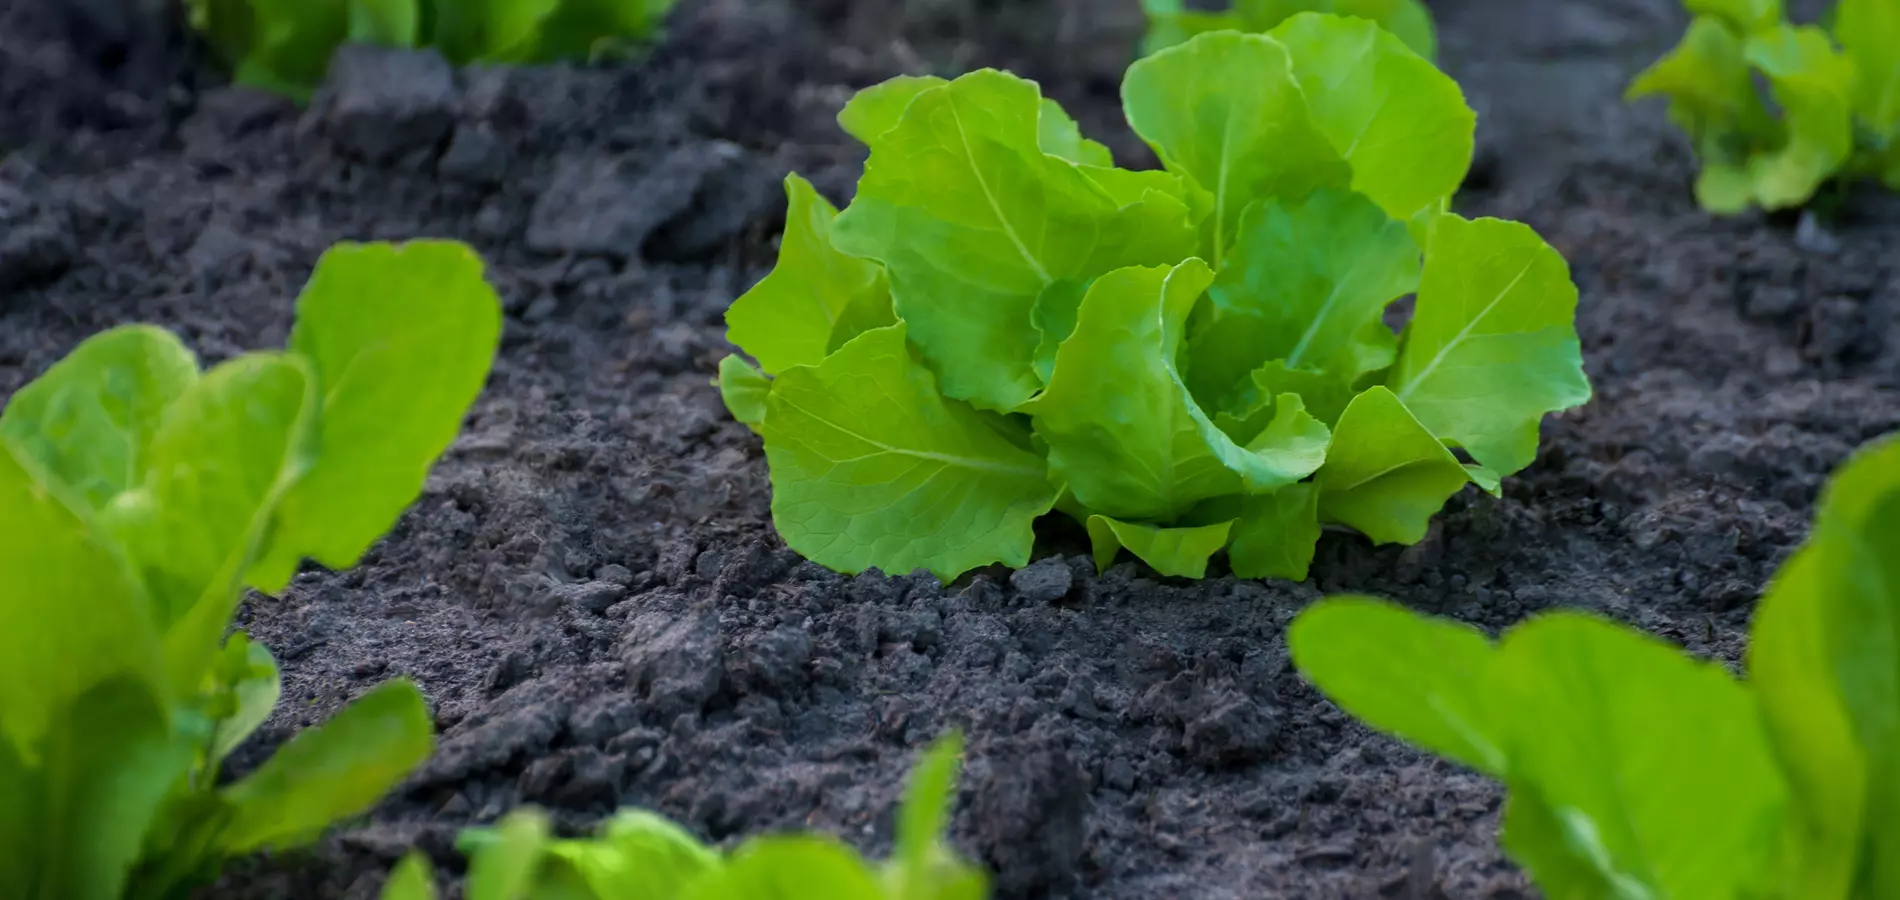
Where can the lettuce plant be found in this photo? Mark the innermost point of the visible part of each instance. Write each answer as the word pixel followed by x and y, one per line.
pixel 285 45
pixel 1170 21
pixel 142 496
pixel 641 856
pixel 1835 108
pixel 1004 324
pixel 1637 771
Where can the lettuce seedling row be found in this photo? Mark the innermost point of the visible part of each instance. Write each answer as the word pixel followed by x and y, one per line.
pixel 618 656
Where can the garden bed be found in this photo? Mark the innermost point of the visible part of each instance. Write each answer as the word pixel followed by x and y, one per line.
pixel 590 590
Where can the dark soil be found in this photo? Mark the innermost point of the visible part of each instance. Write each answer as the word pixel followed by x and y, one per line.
pixel 591 592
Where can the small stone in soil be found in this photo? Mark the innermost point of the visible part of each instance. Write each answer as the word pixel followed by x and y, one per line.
pixel 593 596
pixel 474 155
pixel 381 103
pixel 1043 581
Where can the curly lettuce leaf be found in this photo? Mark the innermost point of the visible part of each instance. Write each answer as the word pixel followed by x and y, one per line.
pixel 1813 84
pixel 872 466
pixel 1386 475
pixel 1407 20
pixel 1306 287
pixel 792 315
pixel 1748 156
pixel 1177 552
pixel 1492 346
pixel 1400 122
pixel 1712 98
pixel 973 220
pixel 1122 431
pixel 1170 23
pixel 1276 534
pixel 1225 110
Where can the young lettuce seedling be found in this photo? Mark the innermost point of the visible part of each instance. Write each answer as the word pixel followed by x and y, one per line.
pixel 1637 771
pixel 641 856
pixel 1004 324
pixel 142 496
pixel 1171 22
pixel 1836 100
pixel 285 46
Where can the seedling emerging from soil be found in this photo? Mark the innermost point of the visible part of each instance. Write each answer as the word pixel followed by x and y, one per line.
pixel 1835 110
pixel 1003 323
pixel 285 45
pixel 641 856
pixel 1637 771
pixel 141 496
pixel 1171 22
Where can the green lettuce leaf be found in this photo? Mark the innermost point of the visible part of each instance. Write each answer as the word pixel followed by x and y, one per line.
pixel 1123 434
pixel 391 23
pixel 330 772
pixel 54 648
pixel 1631 766
pixel 1741 15
pixel 1324 394
pixel 413 879
pixel 873 467
pixel 973 221
pixel 1432 682
pixel 1826 664
pixel 789 318
pixel 1748 157
pixel 1869 32
pixel 227 453
pixel 743 388
pixel 1177 552
pixel 1306 287
pixel 1712 98
pixel 108 763
pixel 247 678
pixel 1407 20
pixel 1813 84
pixel 1059 136
pixel 872 113
pixel 1276 534
pixel 401 339
pixel 1170 22
pixel 1225 110
pixel 1401 123
pixel 1386 475
pixel 89 419
pixel 1492 345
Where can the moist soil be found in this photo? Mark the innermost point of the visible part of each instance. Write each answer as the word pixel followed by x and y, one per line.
pixel 590 589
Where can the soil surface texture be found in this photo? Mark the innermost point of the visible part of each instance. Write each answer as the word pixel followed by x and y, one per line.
pixel 591 592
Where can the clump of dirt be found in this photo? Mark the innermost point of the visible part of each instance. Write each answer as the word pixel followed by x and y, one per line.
pixel 590 590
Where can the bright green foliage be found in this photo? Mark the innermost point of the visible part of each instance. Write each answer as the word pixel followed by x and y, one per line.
pixel 1835 110
pixel 285 45
pixel 1170 22
pixel 641 856
pixel 1181 552
pixel 1177 360
pixel 141 496
pixel 1636 771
